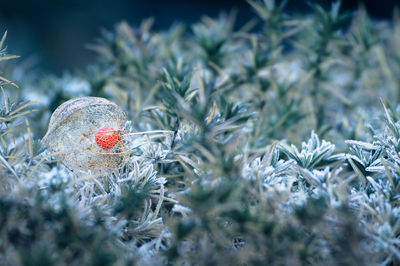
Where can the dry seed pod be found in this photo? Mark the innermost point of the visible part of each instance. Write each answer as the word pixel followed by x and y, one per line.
pixel 74 131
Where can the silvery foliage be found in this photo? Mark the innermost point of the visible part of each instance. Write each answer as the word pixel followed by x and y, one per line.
pixel 271 187
pixel 377 165
pixel 315 167
pixel 143 232
pixel 273 173
pixel 312 154
pixel 311 172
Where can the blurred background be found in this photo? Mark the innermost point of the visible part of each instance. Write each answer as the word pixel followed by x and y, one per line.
pixel 52 34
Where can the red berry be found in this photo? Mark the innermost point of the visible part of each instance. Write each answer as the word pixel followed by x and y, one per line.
pixel 107 138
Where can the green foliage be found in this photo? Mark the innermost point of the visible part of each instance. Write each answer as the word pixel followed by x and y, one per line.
pixel 229 185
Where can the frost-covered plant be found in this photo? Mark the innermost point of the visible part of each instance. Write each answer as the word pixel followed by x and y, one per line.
pixel 312 154
pixel 238 179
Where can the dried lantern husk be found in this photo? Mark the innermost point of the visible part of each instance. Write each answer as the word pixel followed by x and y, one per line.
pixel 71 134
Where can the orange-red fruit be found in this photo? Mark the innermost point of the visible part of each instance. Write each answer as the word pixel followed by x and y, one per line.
pixel 107 138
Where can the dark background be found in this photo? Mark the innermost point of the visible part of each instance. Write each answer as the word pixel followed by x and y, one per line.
pixel 53 33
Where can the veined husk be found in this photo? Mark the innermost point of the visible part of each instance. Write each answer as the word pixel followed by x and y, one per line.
pixel 71 134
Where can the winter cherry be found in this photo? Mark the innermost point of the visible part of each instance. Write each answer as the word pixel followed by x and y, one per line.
pixel 107 138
